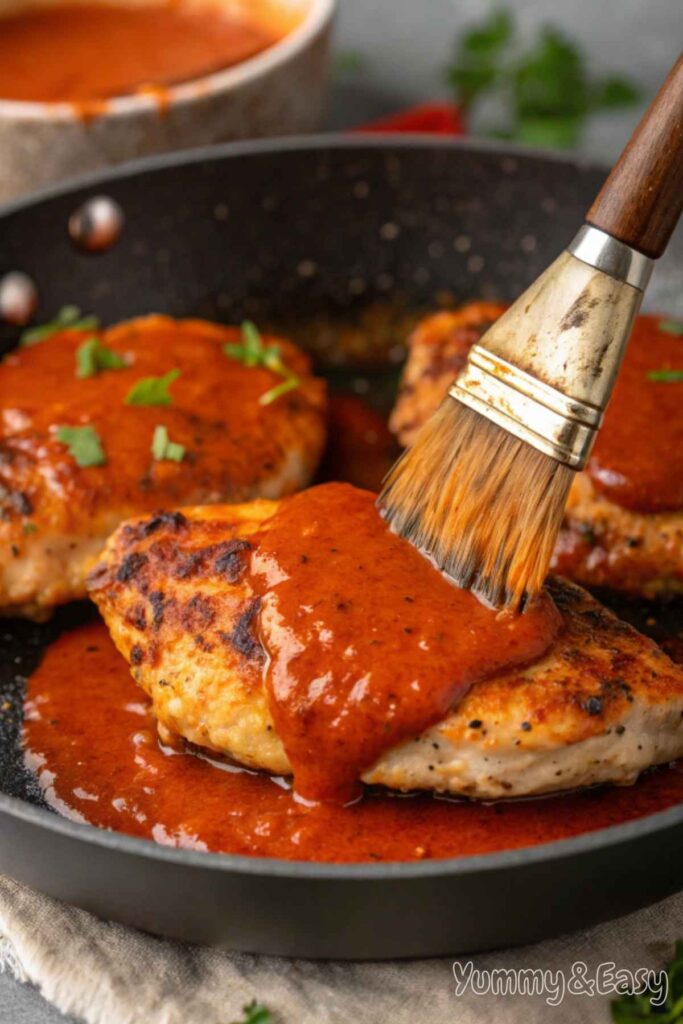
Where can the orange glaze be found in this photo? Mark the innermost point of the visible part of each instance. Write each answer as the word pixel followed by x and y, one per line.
pixel 90 734
pixel 231 440
pixel 89 52
pixel 401 644
pixel 637 461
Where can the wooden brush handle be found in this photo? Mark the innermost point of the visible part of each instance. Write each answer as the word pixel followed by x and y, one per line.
pixel 641 201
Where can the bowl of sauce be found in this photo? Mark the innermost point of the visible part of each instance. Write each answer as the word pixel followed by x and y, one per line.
pixel 86 84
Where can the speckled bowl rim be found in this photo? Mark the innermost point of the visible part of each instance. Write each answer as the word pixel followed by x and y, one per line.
pixel 230 79
pixel 612 837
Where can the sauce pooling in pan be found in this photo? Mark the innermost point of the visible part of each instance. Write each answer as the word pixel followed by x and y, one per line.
pixel 89 52
pixel 91 737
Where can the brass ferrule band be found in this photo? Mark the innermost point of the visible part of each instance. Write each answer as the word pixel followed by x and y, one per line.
pixel 538 414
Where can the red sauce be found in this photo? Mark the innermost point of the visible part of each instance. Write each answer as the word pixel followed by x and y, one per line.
pixel 399 643
pixel 637 461
pixel 360 447
pixel 90 52
pixel 91 736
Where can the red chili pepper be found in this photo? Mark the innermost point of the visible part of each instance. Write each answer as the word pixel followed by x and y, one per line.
pixel 427 118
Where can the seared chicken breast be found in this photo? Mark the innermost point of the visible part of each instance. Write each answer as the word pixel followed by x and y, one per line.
pixel 602 543
pixel 96 426
pixel 601 705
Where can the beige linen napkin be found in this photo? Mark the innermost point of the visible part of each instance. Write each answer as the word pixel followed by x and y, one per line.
pixel 107 974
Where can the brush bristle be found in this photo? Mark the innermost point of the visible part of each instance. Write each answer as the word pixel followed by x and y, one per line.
pixel 484 505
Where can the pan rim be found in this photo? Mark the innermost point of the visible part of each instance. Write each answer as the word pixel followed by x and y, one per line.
pixel 295 144
pixel 119 842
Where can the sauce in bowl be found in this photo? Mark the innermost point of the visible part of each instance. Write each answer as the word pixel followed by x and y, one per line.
pixel 83 53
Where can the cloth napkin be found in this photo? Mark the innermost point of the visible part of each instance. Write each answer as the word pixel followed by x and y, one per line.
pixel 105 973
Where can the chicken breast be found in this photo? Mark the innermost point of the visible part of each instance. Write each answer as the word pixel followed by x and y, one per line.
pixel 602 543
pixel 602 705
pixel 89 438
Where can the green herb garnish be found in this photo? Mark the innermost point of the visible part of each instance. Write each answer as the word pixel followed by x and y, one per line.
pixel 84 444
pixel 348 62
pixel 92 356
pixel 28 528
pixel 666 376
pixel 68 318
pixel 546 91
pixel 255 1013
pixel 165 449
pixel 254 352
pixel 671 327
pixel 635 1009
pixel 152 390
pixel 289 384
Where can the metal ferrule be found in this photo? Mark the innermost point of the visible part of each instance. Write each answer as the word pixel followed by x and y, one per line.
pixel 546 369
pixel 538 414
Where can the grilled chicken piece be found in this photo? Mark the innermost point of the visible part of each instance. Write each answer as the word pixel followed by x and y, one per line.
pixel 56 515
pixel 603 704
pixel 601 543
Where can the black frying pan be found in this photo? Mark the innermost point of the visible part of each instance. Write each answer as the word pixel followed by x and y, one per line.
pixel 286 233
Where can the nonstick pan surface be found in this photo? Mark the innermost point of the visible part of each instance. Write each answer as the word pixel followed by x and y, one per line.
pixel 306 235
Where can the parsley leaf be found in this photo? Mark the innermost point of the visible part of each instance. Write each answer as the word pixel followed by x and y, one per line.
pixel 614 91
pixel 545 91
pixel 671 327
pixel 28 528
pixel 476 66
pixel 635 1009
pixel 84 445
pixel 68 318
pixel 253 352
pixel 152 390
pixel 92 356
pixel 255 1013
pixel 165 449
pixel 348 62
pixel 666 376
pixel 289 384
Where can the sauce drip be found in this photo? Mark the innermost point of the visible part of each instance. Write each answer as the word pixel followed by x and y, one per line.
pixel 368 643
pixel 91 737
pixel 85 52
pixel 637 461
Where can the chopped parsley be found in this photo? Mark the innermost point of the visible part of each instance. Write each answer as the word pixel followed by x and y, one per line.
pixel 92 356
pixel 84 445
pixel 28 528
pixel 637 1009
pixel 152 390
pixel 255 1013
pixel 289 384
pixel 68 318
pixel 666 376
pixel 163 449
pixel 671 327
pixel 253 352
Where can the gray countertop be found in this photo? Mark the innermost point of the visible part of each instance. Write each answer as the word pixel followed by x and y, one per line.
pixel 405 46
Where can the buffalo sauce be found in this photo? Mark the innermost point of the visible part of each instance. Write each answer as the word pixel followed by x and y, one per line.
pixel 81 53
pixel 91 738
pixel 637 461
pixel 368 643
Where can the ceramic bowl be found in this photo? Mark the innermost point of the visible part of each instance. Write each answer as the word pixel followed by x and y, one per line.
pixel 280 91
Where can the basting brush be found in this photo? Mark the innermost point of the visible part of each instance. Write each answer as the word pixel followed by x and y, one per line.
pixel 482 491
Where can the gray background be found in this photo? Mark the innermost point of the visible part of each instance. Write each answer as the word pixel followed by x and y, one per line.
pixel 405 45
